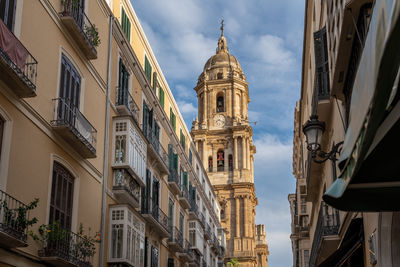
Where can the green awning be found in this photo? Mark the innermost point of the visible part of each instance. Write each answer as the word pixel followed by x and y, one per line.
pixel 370 159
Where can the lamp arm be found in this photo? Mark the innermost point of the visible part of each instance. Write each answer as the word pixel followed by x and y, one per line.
pixel 320 156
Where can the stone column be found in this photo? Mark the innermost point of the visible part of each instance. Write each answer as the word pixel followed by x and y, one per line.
pixel 204 154
pixel 243 153
pixel 214 157
pixel 235 152
pixel 247 216
pixel 205 117
pixel 247 153
pixel 237 216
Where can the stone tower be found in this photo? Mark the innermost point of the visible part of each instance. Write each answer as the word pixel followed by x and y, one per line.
pixel 223 138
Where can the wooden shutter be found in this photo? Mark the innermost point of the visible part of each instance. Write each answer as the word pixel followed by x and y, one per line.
pixel 162 97
pixel 61 196
pixel 145 117
pixel 125 24
pixel 321 64
pixel 155 82
pixel 147 68
pixel 171 262
pixel 156 192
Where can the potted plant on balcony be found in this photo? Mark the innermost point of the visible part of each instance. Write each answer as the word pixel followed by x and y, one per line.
pixel 85 246
pixel 16 220
pixel 92 34
pixel 53 238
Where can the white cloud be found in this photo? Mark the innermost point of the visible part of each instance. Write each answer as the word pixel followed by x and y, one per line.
pixel 186 108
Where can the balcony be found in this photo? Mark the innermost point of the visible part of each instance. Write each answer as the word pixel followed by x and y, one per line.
pixel 195 262
pixel 18 67
pixel 175 241
pixel 74 128
pixel 187 254
pixel 194 211
pixel 156 150
pixel 326 234
pixel 174 181
pixel 13 217
pixel 126 105
pixel 64 248
pixel 202 219
pixel 80 28
pixel 126 189
pixel 214 243
pixel 203 263
pixel 156 218
pixel 184 197
pixel 207 232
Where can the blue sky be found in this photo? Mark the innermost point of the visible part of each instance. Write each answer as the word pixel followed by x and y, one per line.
pixel 266 37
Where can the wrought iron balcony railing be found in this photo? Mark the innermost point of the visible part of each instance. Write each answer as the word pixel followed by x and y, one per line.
pixel 202 219
pixel 155 142
pixel 124 99
pixel 126 187
pixel 174 180
pixel 70 118
pixel 194 210
pixel 203 263
pixel 327 225
pixel 159 218
pixel 13 221
pixel 176 238
pixel 84 32
pixel 18 66
pixel 63 246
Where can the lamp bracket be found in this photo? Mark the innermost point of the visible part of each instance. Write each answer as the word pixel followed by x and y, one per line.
pixel 320 156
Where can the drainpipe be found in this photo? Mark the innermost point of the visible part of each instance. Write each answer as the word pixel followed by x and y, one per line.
pixel 106 148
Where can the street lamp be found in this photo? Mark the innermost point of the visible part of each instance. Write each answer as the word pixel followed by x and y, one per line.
pixel 313 130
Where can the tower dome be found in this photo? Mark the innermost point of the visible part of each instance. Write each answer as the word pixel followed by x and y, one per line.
pixel 222 65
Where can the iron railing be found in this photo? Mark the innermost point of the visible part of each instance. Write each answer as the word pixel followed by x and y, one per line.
pixel 188 249
pixel 174 177
pixel 202 219
pixel 155 142
pixel 13 217
pixel 195 258
pixel 70 116
pixel 176 236
pixel 17 57
pixel 124 98
pixel 194 208
pixel 156 213
pixel 71 8
pixel 327 225
pixel 184 192
pixel 123 180
pixel 207 230
pixel 68 246
pixel 203 263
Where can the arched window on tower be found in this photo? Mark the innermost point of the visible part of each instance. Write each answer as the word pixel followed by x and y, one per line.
pixel 220 161
pixel 220 103
pixel 210 164
pixel 222 214
pixel 230 162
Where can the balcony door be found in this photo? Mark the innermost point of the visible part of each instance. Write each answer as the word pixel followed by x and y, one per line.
pixel 7 12
pixel 61 196
pixel 70 89
pixel 123 83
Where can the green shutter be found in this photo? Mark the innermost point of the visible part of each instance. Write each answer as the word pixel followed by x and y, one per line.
pixel 125 24
pixel 162 97
pixel 185 180
pixel 147 68
pixel 172 118
pixel 155 82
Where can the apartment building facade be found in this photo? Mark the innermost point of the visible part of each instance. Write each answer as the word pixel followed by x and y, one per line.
pixel 344 210
pixel 115 183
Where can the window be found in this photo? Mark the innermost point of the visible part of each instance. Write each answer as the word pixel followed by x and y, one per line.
pixel 125 24
pixel 182 140
pixel 306 258
pixel 181 222
pixel 161 96
pixel 190 157
pixel 147 69
pixel 123 84
pixel 7 12
pixel 321 64
pixel 170 213
pixel 220 161
pixel 147 123
pixel 154 256
pixel 70 89
pixel 130 148
pixel 220 103
pixel 172 118
pixel 155 82
pixel 127 237
pixel 210 165
pixel 230 161
pixel 171 262
pixel 156 193
pixel 61 196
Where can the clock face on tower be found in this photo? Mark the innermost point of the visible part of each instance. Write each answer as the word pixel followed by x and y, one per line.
pixel 219 120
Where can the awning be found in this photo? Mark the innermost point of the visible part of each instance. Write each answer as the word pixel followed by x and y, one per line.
pixel 370 159
pixel 352 241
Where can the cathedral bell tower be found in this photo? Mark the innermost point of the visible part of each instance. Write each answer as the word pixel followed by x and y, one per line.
pixel 223 139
